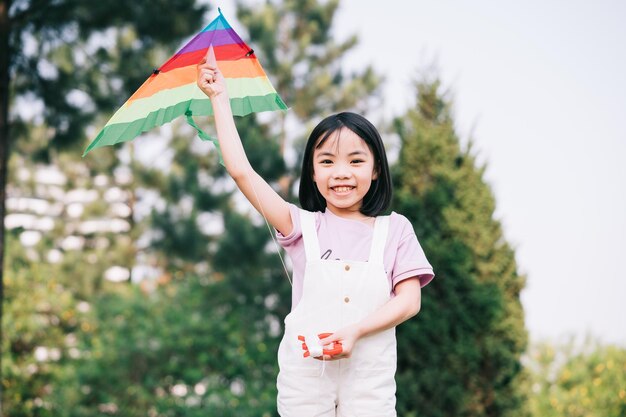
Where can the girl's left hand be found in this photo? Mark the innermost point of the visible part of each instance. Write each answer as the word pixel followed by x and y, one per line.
pixel 348 336
pixel 209 77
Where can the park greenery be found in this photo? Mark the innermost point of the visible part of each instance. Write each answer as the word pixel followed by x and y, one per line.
pixel 136 283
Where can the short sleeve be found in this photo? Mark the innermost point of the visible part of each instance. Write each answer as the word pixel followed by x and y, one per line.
pixel 296 233
pixel 410 260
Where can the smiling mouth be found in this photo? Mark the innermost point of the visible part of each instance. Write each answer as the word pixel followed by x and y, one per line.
pixel 342 189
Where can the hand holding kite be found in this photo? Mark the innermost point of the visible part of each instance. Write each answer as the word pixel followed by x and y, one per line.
pixel 210 80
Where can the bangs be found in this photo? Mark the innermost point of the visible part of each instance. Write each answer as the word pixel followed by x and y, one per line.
pixel 320 142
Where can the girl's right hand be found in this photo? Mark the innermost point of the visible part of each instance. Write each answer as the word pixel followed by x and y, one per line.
pixel 210 78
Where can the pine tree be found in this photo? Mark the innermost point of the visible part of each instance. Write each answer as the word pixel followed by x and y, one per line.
pixel 461 355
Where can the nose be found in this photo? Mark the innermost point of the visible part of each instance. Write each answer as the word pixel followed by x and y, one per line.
pixel 341 171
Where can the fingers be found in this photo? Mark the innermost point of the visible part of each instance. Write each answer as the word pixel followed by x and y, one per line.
pixel 208 72
pixel 209 61
pixel 328 340
pixel 203 65
pixel 208 75
pixel 328 351
pixel 331 357
pixel 210 57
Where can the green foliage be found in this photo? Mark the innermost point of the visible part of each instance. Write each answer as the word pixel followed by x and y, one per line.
pixel 42 319
pixel 575 382
pixel 461 356
pixel 182 350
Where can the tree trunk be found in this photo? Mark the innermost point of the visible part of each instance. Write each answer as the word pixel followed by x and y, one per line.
pixel 4 148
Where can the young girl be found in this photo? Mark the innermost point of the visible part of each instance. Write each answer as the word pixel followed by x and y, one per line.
pixel 356 274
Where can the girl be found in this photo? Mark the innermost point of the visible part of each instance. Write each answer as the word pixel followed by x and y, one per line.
pixel 356 274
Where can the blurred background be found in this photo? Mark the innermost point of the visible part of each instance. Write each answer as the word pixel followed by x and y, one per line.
pixel 137 282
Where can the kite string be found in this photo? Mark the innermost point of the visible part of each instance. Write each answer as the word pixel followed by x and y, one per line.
pixel 269 228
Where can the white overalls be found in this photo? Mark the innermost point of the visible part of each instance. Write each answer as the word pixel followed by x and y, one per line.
pixel 336 294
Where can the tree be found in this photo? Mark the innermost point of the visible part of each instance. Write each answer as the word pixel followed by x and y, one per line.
pixel 55 55
pixel 461 356
pixel 575 381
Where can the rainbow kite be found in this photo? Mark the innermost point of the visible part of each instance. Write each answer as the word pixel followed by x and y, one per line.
pixel 171 91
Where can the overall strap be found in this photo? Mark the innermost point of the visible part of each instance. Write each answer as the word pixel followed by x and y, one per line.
pixel 309 234
pixel 379 239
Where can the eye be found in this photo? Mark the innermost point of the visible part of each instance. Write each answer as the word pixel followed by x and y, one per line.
pixel 325 162
pixel 357 161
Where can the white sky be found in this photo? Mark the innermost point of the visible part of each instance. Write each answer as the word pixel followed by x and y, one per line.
pixel 542 85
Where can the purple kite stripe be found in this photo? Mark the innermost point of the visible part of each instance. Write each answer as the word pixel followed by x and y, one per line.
pixel 214 37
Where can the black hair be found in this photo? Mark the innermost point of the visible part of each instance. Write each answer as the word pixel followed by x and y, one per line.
pixel 378 197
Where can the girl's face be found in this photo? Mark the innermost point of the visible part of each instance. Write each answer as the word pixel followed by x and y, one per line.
pixel 343 170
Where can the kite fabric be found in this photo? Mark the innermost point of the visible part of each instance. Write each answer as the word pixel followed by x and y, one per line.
pixel 171 91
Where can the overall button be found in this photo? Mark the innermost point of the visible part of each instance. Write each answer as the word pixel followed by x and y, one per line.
pixel 346 300
pixel 347 267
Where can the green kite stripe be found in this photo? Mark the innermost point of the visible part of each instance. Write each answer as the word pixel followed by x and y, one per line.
pixel 122 132
pixel 238 88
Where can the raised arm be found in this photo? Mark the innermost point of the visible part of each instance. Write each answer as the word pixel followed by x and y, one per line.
pixel 252 185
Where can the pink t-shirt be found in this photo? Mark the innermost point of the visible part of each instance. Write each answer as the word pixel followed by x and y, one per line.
pixel 346 239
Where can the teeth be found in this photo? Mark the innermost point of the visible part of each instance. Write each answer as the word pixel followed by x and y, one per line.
pixel 342 189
